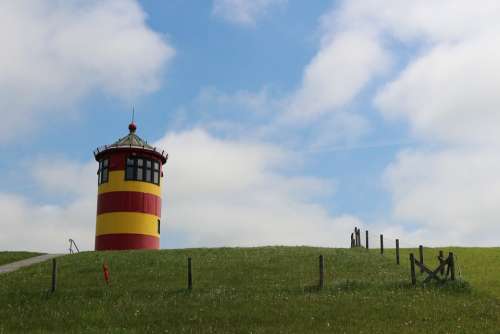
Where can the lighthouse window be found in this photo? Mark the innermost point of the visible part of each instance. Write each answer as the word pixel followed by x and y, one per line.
pixel 103 172
pixel 141 169
pixel 129 172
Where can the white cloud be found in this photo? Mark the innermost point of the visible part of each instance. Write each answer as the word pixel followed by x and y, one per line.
pixel 449 196
pixel 47 225
pixel 450 93
pixel 244 12
pixel 343 66
pixel 234 193
pixel 56 53
pixel 447 93
pixel 216 192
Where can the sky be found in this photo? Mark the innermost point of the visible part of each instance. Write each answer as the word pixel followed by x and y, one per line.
pixel 286 122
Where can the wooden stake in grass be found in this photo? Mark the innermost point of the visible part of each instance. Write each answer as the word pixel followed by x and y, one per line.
pixel 54 276
pixel 382 244
pixel 321 272
pixel 421 257
pixel 397 251
pixel 190 275
pixel 366 239
pixel 441 259
pixel 412 270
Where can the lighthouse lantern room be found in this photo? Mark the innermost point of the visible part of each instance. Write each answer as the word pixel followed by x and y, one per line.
pixel 129 194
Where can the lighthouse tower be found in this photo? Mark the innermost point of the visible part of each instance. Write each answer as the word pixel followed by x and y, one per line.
pixel 129 194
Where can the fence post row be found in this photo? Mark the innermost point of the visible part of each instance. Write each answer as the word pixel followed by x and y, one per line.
pixel 381 244
pixel 321 272
pixel 190 275
pixel 397 251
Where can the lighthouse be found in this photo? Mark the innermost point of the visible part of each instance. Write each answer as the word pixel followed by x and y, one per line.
pixel 129 194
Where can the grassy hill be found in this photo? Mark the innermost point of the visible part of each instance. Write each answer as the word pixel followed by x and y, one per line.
pixel 8 257
pixel 250 290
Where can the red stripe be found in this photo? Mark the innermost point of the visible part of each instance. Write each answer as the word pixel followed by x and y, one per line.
pixel 129 201
pixel 126 241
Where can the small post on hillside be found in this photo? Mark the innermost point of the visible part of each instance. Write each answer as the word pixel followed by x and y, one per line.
pixel 321 272
pixel 190 275
pixel 451 263
pixel 366 239
pixel 382 244
pixel 54 276
pixel 441 259
pixel 352 240
pixel 421 257
pixel 412 270
pixel 397 251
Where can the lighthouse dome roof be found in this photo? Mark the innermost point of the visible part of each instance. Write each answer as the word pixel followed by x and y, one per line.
pixel 131 141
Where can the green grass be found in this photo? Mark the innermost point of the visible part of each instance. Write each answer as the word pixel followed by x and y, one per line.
pixel 249 290
pixel 8 257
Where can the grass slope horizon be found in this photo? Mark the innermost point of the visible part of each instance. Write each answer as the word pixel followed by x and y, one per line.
pixel 258 290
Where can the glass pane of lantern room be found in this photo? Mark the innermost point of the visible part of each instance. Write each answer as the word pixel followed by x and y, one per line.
pixel 156 165
pixel 129 173
pixel 156 178
pixel 139 173
pixel 148 175
pixel 139 162
pixel 148 163
pixel 130 162
pixel 104 175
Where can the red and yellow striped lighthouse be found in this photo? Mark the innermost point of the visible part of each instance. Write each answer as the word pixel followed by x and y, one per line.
pixel 129 194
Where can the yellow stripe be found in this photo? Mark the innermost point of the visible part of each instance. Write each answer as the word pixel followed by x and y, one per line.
pixel 117 182
pixel 127 222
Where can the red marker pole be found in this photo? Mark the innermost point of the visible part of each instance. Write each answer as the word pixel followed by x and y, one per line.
pixel 105 270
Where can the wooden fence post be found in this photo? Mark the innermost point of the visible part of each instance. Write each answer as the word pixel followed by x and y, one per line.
pixel 397 251
pixel 352 240
pixel 190 275
pixel 451 263
pixel 366 239
pixel 421 257
pixel 382 244
pixel 412 270
pixel 321 272
pixel 441 259
pixel 54 276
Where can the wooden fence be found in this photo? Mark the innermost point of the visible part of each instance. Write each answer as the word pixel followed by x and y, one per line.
pixel 444 271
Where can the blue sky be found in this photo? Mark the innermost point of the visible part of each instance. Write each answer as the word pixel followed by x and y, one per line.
pixel 301 119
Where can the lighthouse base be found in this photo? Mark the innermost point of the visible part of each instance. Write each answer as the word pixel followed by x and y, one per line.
pixel 125 241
